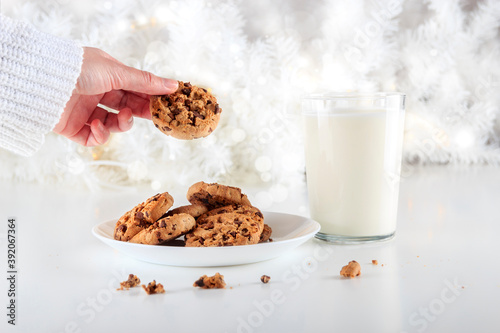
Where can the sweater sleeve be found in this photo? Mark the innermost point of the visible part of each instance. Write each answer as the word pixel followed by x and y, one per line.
pixel 38 73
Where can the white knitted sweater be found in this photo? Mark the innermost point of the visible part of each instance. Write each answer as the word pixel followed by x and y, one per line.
pixel 38 73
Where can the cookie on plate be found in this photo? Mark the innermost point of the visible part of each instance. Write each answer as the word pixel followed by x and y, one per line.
pixel 193 210
pixel 251 211
pixel 142 216
pixel 165 229
pixel 227 226
pixel 215 195
pixel 266 234
pixel 189 113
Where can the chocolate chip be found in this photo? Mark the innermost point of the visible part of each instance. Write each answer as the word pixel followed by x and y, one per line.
pixel 209 102
pixel 166 128
pixel 205 90
pixel 187 84
pixel 178 99
pixel 217 109
pixel 186 91
pixel 175 112
pixel 198 115
pixel 244 230
pixel 163 224
pixel 139 215
pixel 233 233
pixel 122 228
pixel 259 214
pixel 199 282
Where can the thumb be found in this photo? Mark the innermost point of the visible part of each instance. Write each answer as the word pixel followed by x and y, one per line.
pixel 132 79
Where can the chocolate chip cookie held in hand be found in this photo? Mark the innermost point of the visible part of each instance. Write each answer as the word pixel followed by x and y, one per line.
pixel 106 81
pixel 189 113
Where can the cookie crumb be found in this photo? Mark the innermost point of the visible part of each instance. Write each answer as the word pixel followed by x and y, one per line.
pixel 375 262
pixel 153 288
pixel 210 282
pixel 265 278
pixel 133 281
pixel 351 270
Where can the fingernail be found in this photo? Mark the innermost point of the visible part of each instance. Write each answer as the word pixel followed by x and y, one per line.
pixel 130 120
pixel 171 84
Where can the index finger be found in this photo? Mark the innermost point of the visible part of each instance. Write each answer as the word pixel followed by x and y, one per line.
pixel 121 99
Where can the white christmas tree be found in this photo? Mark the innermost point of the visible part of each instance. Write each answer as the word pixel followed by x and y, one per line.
pixel 259 58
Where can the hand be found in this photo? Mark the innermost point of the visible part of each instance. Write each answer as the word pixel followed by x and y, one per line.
pixel 106 81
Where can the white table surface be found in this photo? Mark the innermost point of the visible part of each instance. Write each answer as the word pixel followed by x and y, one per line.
pixel 441 273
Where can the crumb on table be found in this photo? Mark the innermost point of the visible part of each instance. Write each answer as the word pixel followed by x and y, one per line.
pixel 153 288
pixel 265 278
pixel 132 281
pixel 210 282
pixel 351 270
pixel 375 262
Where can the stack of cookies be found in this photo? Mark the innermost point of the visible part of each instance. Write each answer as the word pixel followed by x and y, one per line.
pixel 218 215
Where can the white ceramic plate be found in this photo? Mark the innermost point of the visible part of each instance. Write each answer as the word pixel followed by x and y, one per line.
pixel 289 231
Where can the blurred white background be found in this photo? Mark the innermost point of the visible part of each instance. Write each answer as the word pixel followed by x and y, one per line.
pixel 259 57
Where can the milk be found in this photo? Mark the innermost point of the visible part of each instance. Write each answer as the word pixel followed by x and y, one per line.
pixel 353 166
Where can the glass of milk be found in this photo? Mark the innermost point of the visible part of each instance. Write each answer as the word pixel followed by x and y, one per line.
pixel 353 146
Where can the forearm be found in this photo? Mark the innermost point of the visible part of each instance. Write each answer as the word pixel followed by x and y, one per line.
pixel 38 73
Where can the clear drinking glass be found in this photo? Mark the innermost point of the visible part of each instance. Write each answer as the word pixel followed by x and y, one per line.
pixel 353 146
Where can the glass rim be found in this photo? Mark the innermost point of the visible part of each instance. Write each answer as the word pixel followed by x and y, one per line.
pixel 352 95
